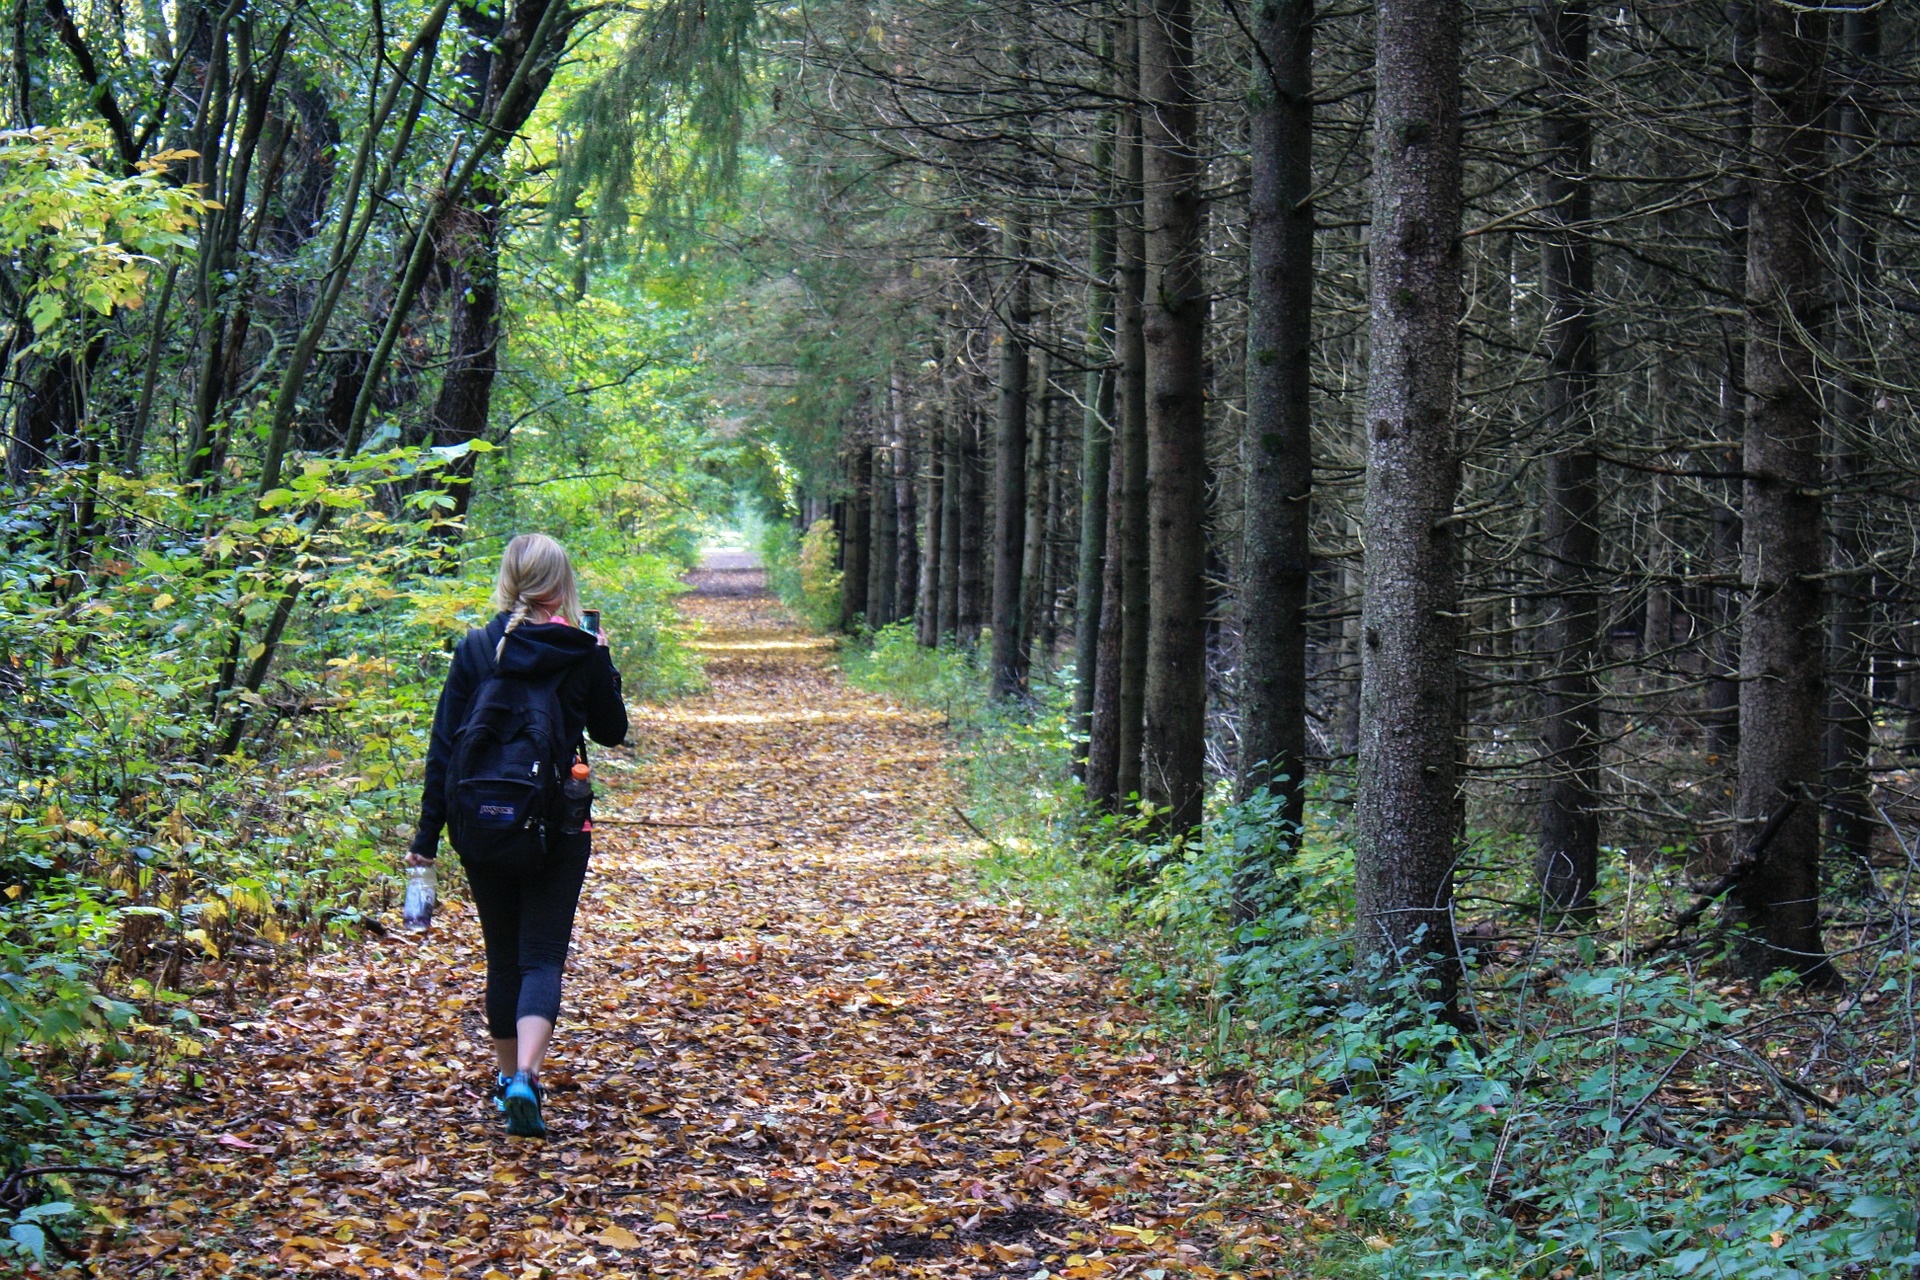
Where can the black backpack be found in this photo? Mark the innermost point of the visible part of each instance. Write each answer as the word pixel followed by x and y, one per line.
pixel 510 755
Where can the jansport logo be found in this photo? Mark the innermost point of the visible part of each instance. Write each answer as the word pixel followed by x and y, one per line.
pixel 499 815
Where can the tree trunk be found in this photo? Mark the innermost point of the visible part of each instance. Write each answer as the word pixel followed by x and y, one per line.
pixel 1174 321
pixel 1103 730
pixel 971 605
pixel 1009 679
pixel 906 543
pixel 928 593
pixel 1723 656
pixel 952 485
pixel 1277 442
pixel 1569 852
pixel 855 541
pixel 471 237
pixel 48 417
pixel 464 404
pixel 1782 666
pixel 882 562
pixel 1404 819
pixel 1134 550
pixel 1063 531
pixel 1849 744
pixel 1033 561
pixel 1096 456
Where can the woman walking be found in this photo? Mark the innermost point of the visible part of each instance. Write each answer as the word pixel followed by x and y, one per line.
pixel 526 907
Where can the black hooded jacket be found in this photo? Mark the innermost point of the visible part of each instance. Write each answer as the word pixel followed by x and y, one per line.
pixel 589 695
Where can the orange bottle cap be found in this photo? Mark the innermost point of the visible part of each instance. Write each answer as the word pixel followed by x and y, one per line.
pixel 580 769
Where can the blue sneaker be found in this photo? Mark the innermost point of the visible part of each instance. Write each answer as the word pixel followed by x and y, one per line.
pixel 500 1082
pixel 522 1105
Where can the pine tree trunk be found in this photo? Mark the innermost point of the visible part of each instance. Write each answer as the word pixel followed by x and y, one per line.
pixel 1569 851
pixel 1009 659
pixel 951 486
pixel 1404 819
pixel 1277 441
pixel 1849 744
pixel 1033 562
pixel 1782 659
pixel 1057 534
pixel 882 563
pixel 1135 550
pixel 854 541
pixel 906 573
pixel 971 604
pixel 1096 457
pixel 1352 652
pixel 926 614
pixel 1174 322
pixel 1103 727
pixel 1723 649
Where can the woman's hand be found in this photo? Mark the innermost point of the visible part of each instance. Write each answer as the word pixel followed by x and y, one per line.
pixel 415 860
pixel 605 639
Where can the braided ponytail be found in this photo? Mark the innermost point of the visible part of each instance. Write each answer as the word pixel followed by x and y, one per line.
pixel 535 573
pixel 521 608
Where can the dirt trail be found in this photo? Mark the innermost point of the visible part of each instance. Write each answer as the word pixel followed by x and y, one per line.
pixel 794 1046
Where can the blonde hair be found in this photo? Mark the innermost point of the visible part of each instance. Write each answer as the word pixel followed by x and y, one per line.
pixel 534 573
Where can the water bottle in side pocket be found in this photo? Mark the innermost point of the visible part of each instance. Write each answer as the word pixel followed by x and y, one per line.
pixel 576 800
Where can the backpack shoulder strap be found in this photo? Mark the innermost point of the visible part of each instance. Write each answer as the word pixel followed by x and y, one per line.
pixel 478 654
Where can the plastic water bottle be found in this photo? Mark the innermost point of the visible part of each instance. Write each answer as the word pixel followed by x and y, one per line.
pixel 422 893
pixel 577 791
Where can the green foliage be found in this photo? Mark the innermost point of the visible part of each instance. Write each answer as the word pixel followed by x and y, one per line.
pixel 800 571
pixel 1553 1141
pixel 659 119
pixel 635 595
pixel 1603 1120
pixel 76 239
pixel 138 863
pixel 1016 787
pixel 947 679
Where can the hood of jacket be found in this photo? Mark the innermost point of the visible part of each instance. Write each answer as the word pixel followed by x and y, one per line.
pixel 537 650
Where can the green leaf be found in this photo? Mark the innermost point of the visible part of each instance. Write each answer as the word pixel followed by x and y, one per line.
pixel 45 311
pixel 1873 1206
pixel 30 1239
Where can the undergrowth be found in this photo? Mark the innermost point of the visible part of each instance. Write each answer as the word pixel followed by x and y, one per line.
pixel 144 870
pixel 800 570
pixel 1598 1116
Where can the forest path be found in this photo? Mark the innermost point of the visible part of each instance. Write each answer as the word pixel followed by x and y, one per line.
pixel 792 1046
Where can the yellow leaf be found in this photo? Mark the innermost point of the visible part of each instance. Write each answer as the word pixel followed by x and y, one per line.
pixel 162 600
pixel 618 1237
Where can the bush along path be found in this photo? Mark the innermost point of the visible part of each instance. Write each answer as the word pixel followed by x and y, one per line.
pixel 795 1044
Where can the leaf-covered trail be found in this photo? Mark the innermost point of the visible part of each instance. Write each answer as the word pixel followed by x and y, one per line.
pixel 794 1045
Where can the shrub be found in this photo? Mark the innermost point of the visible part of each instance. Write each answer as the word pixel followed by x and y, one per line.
pixel 800 572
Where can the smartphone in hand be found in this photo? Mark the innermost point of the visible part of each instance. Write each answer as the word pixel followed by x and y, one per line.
pixel 590 621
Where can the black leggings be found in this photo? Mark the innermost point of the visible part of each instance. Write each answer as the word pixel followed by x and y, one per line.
pixel 526 919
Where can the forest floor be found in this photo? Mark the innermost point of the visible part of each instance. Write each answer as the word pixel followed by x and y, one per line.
pixel 797 1043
